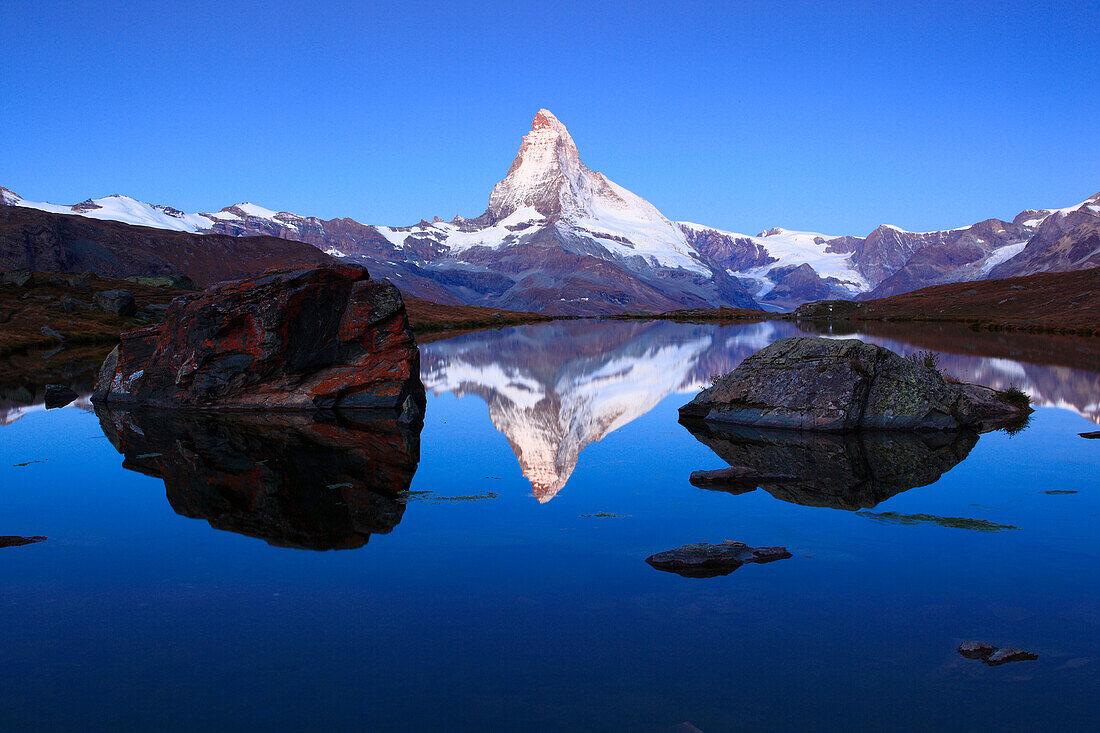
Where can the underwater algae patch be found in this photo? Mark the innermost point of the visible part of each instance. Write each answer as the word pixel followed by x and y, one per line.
pixel 979 525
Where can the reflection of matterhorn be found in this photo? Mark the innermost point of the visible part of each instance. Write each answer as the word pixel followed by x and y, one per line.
pixel 553 393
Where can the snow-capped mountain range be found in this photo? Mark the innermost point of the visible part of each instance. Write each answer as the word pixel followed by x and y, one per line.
pixel 559 238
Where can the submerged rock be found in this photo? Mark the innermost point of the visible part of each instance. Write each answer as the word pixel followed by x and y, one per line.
pixel 735 479
pixel 703 560
pixel 838 470
pixel 820 384
pixel 294 338
pixel 976 649
pixel 15 541
pixel 1007 654
pixel 58 395
pixel 993 656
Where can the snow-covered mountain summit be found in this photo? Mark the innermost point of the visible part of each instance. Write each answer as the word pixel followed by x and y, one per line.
pixel 549 177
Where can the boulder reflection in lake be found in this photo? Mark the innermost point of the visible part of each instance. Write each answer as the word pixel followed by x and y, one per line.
pixel 837 470
pixel 312 482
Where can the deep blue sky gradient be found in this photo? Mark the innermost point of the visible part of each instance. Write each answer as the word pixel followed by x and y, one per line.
pixel 830 117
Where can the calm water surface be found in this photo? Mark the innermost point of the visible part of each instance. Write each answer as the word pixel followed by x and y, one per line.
pixel 297 575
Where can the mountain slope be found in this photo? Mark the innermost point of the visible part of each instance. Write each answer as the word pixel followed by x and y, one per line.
pixel 1066 239
pixel 49 242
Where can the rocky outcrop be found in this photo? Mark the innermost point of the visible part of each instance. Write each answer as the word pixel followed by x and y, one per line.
pixel 115 302
pixel 317 482
pixel 849 471
pixel 809 383
pixel 328 337
pixel 703 560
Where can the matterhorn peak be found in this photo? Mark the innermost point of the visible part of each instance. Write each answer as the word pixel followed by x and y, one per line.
pixel 546 169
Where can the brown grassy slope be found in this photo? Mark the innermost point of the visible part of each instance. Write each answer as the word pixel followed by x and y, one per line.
pixel 695 315
pixel 426 317
pixel 25 310
pixel 1054 301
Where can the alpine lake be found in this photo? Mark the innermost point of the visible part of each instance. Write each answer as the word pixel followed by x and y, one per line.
pixel 486 571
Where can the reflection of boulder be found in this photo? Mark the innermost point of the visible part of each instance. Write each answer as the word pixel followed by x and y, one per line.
pixel 838 470
pixel 287 478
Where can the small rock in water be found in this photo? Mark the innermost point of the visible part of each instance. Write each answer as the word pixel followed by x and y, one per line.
pixel 976 649
pixel 993 656
pixel 14 541
pixel 703 560
pixel 1093 436
pixel 58 395
pixel 1008 654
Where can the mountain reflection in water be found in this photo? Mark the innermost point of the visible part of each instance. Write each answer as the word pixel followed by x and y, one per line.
pixel 292 480
pixel 553 389
pixel 841 471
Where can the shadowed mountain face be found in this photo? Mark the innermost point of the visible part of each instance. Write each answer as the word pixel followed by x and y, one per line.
pixel 841 471
pixel 290 480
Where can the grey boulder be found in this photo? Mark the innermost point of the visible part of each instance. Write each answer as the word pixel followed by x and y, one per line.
pixel 116 302
pixel 820 384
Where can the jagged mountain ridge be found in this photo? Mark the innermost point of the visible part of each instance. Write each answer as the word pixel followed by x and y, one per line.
pixel 557 237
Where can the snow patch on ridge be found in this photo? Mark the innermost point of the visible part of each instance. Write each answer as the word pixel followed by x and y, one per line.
pixel 794 248
pixel 128 211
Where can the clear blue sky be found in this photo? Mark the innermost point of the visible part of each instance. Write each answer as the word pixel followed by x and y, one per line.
pixel 823 116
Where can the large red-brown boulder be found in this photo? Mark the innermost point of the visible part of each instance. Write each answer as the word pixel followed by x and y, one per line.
pixel 293 338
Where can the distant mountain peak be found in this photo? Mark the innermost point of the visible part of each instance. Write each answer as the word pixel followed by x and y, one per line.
pixel 545 170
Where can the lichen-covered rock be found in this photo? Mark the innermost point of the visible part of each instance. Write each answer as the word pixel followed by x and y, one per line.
pixel 810 383
pixel 704 560
pixel 294 338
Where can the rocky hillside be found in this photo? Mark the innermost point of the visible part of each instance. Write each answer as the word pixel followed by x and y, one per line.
pixel 1059 301
pixel 38 240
